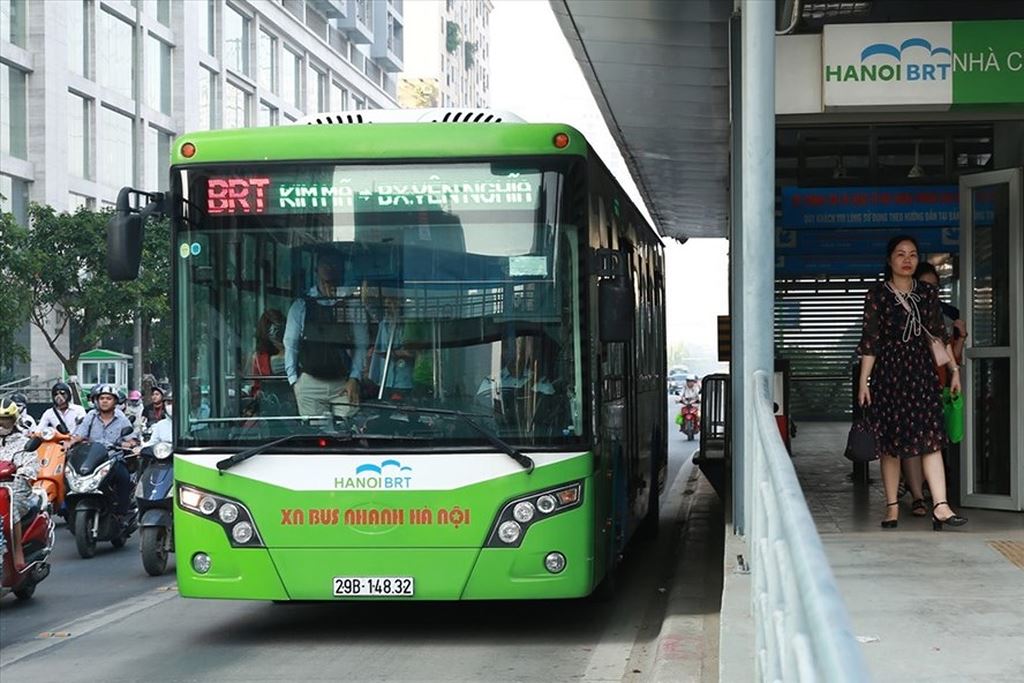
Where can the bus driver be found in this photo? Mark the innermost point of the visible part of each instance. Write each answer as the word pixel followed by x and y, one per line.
pixel 316 361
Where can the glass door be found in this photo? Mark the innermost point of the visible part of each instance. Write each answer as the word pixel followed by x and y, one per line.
pixel 992 301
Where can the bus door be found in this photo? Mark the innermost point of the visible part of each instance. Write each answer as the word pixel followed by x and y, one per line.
pixel 616 437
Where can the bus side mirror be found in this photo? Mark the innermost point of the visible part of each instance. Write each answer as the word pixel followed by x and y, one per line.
pixel 615 310
pixel 125 232
pixel 124 247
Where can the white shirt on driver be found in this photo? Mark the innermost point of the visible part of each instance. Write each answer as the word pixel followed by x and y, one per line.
pixel 71 414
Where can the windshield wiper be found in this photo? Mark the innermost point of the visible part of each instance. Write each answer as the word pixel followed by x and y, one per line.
pixel 499 444
pixel 241 456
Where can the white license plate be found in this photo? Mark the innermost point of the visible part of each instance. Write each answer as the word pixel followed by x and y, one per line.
pixel 373 586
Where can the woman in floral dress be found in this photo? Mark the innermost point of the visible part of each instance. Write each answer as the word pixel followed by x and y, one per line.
pixel 899 380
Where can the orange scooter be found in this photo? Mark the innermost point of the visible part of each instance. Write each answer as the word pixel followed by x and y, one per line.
pixel 52 452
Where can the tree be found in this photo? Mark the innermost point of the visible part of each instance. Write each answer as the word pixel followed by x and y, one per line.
pixel 62 261
pixel 15 300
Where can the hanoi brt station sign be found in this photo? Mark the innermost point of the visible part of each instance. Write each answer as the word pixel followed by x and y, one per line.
pixel 933 66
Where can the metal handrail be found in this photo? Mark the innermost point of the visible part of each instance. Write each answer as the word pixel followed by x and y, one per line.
pixel 803 631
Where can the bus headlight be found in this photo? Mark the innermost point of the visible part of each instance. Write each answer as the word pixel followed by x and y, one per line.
pixel 523 512
pixel 236 519
pixel 516 517
pixel 242 533
pixel 509 532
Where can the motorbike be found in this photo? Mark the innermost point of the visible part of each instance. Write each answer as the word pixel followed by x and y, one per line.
pixel 689 420
pixel 154 497
pixel 52 453
pixel 36 540
pixel 91 496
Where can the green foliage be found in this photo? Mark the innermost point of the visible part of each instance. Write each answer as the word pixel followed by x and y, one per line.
pixel 469 53
pixel 15 299
pixel 453 36
pixel 62 261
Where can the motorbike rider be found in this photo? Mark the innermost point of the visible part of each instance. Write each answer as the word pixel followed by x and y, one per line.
pixel 104 424
pixel 690 395
pixel 26 423
pixel 156 410
pixel 12 449
pixel 133 406
pixel 63 411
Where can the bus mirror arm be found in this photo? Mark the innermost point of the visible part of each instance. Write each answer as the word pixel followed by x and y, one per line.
pixel 125 232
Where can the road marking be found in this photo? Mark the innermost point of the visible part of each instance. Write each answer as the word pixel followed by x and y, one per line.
pixel 610 656
pixel 86 624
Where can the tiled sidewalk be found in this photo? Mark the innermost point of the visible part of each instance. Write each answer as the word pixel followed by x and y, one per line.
pixel 945 606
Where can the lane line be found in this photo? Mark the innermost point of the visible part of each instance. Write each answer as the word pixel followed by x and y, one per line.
pixel 87 624
pixel 610 656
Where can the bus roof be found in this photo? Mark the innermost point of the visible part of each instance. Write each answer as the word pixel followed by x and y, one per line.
pixel 376 141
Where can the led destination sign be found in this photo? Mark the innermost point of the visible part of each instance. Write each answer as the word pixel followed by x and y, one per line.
pixel 370 190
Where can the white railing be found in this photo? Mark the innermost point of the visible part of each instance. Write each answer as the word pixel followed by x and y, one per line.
pixel 803 631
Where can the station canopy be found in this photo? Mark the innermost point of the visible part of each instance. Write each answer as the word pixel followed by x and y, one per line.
pixel 659 70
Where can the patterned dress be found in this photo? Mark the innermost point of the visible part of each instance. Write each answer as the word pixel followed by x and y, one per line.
pixel 906 396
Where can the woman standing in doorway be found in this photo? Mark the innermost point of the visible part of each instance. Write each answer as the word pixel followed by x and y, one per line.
pixel 901 315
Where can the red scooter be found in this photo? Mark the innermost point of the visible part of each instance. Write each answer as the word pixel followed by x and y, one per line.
pixel 689 420
pixel 36 540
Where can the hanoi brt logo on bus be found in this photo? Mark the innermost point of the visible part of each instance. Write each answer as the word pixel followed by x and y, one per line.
pixel 388 475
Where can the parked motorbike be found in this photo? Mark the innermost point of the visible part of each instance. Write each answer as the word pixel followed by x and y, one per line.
pixel 36 540
pixel 91 497
pixel 52 454
pixel 689 420
pixel 154 498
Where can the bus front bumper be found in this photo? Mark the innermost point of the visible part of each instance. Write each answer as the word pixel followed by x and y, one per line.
pixel 490 573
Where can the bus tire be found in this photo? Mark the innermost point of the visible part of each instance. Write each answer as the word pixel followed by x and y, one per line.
pixel 648 529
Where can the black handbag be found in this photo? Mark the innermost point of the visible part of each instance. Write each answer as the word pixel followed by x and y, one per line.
pixel 860 444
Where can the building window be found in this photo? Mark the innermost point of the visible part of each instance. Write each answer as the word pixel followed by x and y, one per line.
pixel 236 107
pixel 78 136
pixel 14 21
pixel 316 86
pixel 364 12
pixel 236 40
pixel 267 61
pixel 13 136
pixel 78 39
pixel 203 19
pixel 360 103
pixel 291 77
pixel 116 148
pixel 267 115
pixel 207 92
pixel 158 75
pixel 14 198
pixel 115 54
pixel 77 201
pixel 161 9
pixel 339 97
pixel 158 151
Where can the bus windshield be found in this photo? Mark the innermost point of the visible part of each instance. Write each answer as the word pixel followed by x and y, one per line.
pixel 320 299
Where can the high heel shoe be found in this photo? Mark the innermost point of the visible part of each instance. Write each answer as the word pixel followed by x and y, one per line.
pixel 953 520
pixel 918 508
pixel 890 523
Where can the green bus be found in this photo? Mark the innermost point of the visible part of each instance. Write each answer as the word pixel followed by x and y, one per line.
pixel 416 357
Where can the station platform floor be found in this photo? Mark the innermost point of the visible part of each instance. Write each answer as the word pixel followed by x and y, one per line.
pixel 926 605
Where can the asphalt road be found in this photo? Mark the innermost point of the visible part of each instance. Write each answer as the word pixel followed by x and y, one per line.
pixel 106 618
